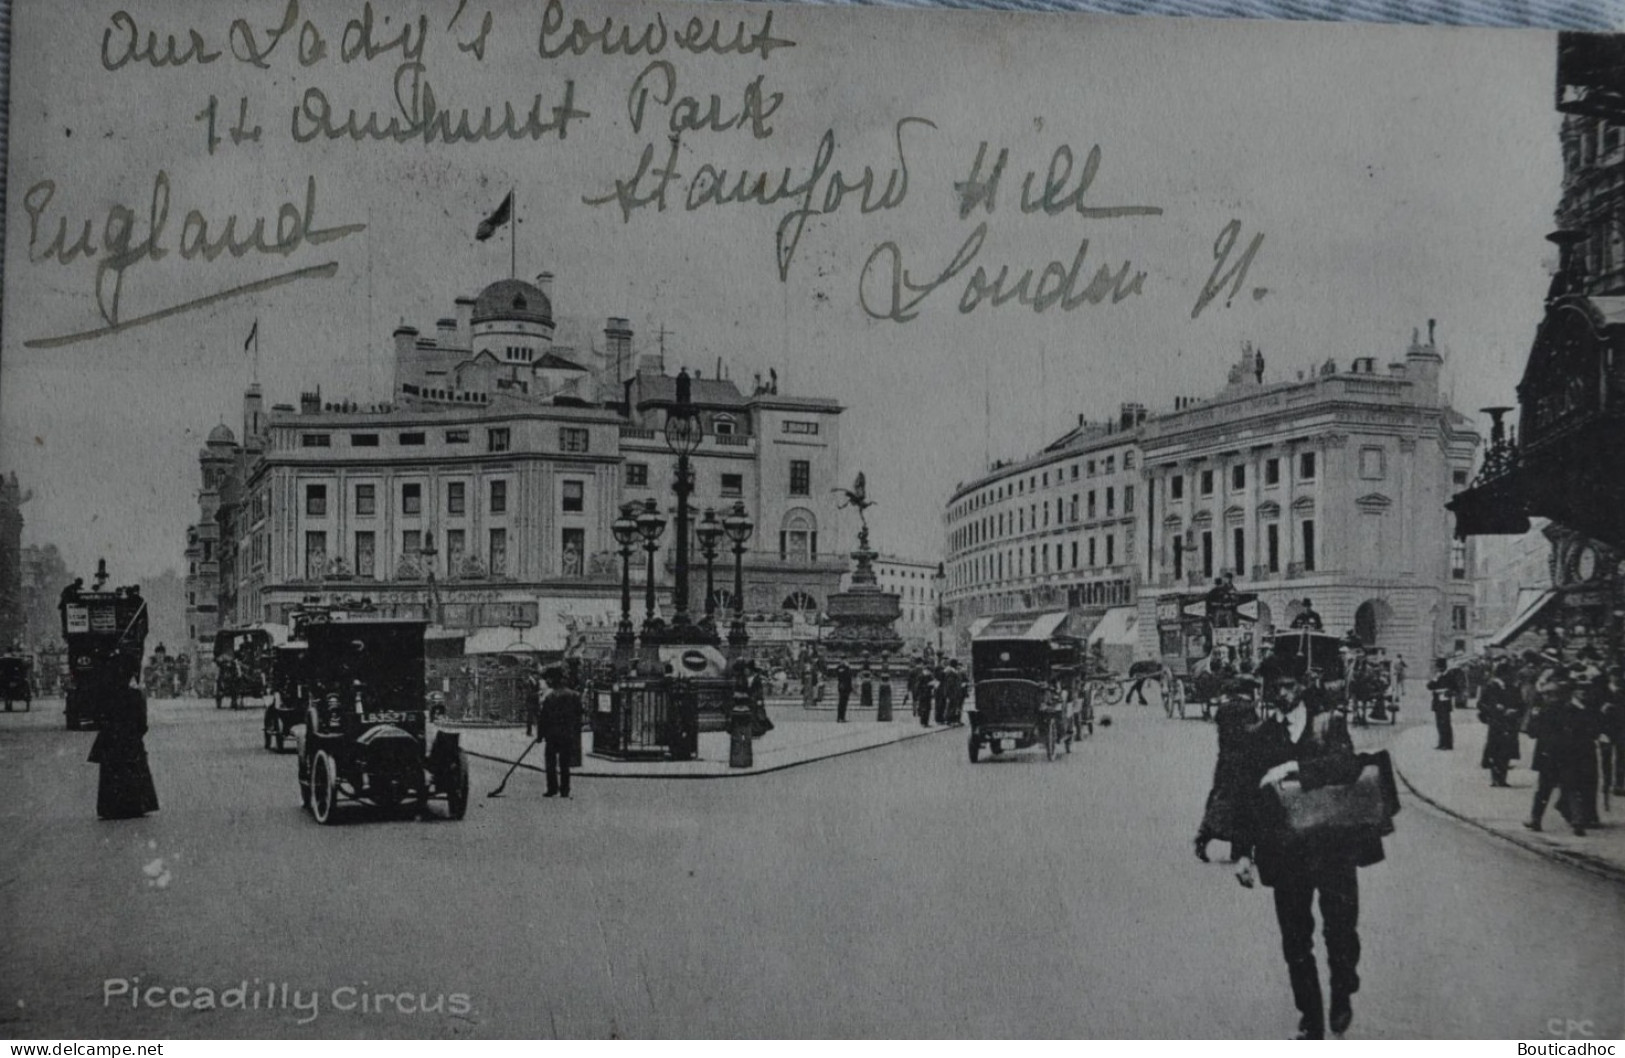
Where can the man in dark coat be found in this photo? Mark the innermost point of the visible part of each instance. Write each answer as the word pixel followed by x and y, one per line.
pixel 939 693
pixel 1235 719
pixel 1314 748
pixel 843 690
pixel 1443 688
pixel 1562 733
pixel 1501 711
pixel 125 789
pixel 559 725
pixel 958 691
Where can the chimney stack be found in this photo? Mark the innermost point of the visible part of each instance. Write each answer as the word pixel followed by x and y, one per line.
pixel 544 283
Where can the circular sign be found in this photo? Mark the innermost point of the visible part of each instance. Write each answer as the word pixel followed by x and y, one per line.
pixel 695 661
pixel 1585 565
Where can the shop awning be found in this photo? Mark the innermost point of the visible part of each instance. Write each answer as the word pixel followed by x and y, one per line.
pixel 1528 609
pixel 1118 628
pixel 1022 626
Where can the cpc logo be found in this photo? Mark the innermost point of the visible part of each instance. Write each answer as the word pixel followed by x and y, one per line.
pixel 1570 1028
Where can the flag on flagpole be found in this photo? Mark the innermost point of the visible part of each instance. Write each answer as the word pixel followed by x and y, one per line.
pixel 253 337
pixel 488 227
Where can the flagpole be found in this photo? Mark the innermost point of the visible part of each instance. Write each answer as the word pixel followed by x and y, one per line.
pixel 513 236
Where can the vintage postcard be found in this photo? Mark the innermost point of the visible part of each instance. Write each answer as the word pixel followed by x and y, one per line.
pixel 589 519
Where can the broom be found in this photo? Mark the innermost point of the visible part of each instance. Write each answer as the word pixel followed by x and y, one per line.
pixel 504 783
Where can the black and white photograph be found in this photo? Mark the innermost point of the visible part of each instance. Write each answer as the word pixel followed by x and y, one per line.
pixel 673 520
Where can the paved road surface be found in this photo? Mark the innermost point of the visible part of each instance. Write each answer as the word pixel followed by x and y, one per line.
pixel 899 892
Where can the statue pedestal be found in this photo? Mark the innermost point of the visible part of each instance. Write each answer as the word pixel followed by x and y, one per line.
pixel 864 617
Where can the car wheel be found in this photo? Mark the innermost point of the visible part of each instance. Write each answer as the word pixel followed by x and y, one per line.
pixel 324 781
pixel 457 791
pixel 975 748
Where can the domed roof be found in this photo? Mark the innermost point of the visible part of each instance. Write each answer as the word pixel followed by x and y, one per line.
pixel 222 435
pixel 513 299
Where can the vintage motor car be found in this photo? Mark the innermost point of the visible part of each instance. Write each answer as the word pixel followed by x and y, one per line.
pixel 1024 671
pixel 365 735
pixel 1315 658
pixel 15 681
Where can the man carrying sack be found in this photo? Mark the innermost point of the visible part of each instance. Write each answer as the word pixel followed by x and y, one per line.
pixel 1312 815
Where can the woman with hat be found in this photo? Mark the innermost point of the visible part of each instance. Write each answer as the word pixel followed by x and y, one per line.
pixel 125 789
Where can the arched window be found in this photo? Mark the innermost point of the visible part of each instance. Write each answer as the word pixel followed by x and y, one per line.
pixel 723 426
pixel 800 602
pixel 798 536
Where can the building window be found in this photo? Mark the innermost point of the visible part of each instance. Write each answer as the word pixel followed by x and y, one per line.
pixel 800 477
pixel 574 496
pixel 1238 477
pixel 1458 560
pixel 366 554
pixel 1308 545
pixel 1111 549
pixel 637 475
pixel 315 440
pixel 411 542
pixel 1074 554
pixel 722 426
pixel 1207 554
pixel 733 484
pixel 1238 541
pixel 571 439
pixel 499 552
pixel 1206 486
pixel 1111 464
pixel 1371 464
pixel 1128 499
pixel 1458 618
pixel 1179 558
pixel 1092 556
pixel 798 537
pixel 363 440
pixel 412 498
pixel 316 500
pixel 499 496
pixel 572 560
pixel 1306 466
pixel 1272 546
pixel 1091 504
pixel 315 555
pixel 1459 477
pixel 796 426
pixel 456 547
pixel 415 437
pixel 1176 487
pixel 1074 471
pixel 366 501
pixel 1111 502
pixel 1272 471
pixel 457 437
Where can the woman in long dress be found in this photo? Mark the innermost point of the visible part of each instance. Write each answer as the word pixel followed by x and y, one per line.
pixel 125 790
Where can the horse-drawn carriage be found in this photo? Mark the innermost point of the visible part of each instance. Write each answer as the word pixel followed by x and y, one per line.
pixel 365 735
pixel 242 663
pixel 1028 678
pixel 16 681
pixel 1370 690
pixel 1199 637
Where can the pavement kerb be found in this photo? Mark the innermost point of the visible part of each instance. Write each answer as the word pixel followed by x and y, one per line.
pixel 740 773
pixel 1563 856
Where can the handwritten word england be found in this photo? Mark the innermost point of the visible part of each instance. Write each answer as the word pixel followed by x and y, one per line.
pixel 122 245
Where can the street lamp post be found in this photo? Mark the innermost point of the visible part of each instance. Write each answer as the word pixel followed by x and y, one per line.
pixel 627 533
pixel 710 533
pixel 430 554
pixel 738 526
pixel 650 525
pixel 939 582
pixel 684 431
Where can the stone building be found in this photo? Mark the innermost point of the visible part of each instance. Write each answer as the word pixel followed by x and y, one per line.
pixel 1562 460
pixel 914 582
pixel 1330 488
pixel 1054 531
pixel 483 495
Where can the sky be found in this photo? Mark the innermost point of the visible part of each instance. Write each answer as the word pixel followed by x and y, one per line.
pixel 1395 174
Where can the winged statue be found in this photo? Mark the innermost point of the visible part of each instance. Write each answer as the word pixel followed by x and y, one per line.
pixel 857 497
